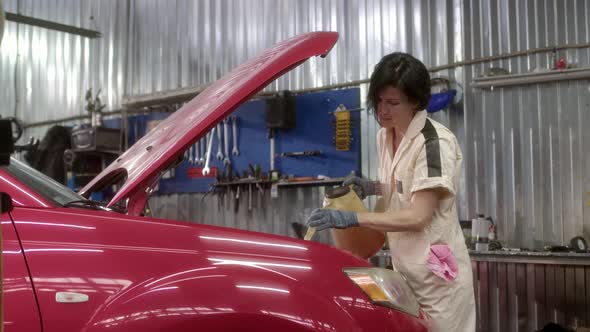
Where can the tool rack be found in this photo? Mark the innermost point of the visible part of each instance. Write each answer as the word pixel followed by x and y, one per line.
pixel 315 130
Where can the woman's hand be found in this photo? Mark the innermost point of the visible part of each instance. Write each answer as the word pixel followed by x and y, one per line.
pixel 362 187
pixel 327 218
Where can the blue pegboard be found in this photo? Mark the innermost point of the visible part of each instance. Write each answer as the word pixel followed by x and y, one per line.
pixel 314 131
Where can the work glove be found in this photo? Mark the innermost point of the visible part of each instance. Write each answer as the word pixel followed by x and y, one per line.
pixel 327 218
pixel 362 187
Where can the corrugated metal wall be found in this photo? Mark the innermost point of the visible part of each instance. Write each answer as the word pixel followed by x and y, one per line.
pixel 525 291
pixel 198 41
pixel 525 157
pixel 50 70
pixel 185 51
pixel 44 74
pixel 521 293
pixel 267 215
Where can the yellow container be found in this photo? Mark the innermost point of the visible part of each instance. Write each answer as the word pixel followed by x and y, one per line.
pixel 359 241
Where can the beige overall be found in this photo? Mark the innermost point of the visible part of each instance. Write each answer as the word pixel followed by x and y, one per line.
pixel 428 157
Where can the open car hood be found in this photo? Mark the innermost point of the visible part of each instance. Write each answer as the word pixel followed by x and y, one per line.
pixel 157 150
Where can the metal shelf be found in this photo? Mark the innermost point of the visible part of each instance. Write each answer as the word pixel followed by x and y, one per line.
pixel 242 182
pixel 326 182
pixel 531 78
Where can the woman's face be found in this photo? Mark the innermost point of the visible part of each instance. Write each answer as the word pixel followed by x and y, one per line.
pixel 394 109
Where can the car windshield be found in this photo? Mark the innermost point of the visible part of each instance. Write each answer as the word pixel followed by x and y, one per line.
pixel 41 183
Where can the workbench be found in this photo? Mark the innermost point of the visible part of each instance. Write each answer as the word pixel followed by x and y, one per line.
pixel 523 291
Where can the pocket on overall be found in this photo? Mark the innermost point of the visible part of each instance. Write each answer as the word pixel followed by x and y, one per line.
pixel 402 185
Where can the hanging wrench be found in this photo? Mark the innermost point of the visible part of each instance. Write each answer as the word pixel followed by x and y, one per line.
pixel 219 153
pixel 206 169
pixel 226 160
pixel 234 127
pixel 250 197
pixel 188 155
pixel 203 148
pixel 196 154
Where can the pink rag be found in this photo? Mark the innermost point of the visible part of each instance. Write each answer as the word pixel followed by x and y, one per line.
pixel 442 262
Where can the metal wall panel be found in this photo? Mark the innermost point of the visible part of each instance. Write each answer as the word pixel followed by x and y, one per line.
pixel 523 295
pixel 268 215
pixel 184 51
pixel 524 147
pixel 50 70
pixel 524 151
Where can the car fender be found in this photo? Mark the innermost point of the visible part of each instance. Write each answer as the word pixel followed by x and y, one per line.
pixel 222 298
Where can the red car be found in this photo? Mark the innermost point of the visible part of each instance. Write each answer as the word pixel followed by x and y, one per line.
pixel 71 264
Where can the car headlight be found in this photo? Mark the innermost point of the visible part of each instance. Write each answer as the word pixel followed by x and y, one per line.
pixel 386 288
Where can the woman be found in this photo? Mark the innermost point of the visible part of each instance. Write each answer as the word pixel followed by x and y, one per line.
pixel 419 166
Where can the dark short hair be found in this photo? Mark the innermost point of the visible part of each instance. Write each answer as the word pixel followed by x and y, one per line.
pixel 403 72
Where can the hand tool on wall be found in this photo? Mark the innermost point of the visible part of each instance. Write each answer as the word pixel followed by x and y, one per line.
pixel 219 153
pixel 226 160
pixel 189 155
pixel 237 200
pixel 210 135
pixel 271 138
pixel 249 197
pixel 234 127
pixel 195 153
pixel 135 131
pixel 228 173
pixel 255 170
pixel 186 155
pixel 306 153
pixel 260 190
pixel 203 148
